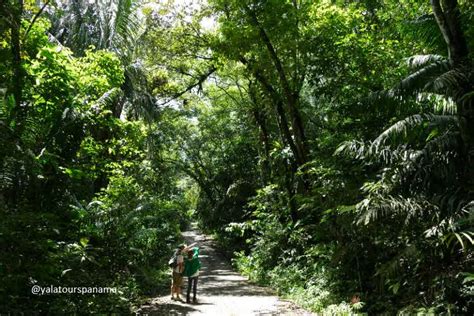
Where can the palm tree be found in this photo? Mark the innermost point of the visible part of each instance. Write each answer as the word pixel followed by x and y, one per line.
pixel 429 158
pixel 104 24
pixel 426 180
pixel 114 25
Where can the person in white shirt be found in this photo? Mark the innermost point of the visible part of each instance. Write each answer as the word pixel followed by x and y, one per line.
pixel 177 274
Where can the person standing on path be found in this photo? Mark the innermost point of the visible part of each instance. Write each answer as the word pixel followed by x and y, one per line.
pixel 192 264
pixel 177 273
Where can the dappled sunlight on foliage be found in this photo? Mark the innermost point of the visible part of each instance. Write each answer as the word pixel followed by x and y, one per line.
pixel 326 145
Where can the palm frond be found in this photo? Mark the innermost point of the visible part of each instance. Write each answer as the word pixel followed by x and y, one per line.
pixel 467 99
pixel 140 104
pixel 448 82
pixel 113 24
pixel 403 127
pixel 376 206
pixel 7 103
pixel 111 100
pixel 127 28
pixel 459 228
pixel 428 68
pixel 425 29
pixel 380 149
pixel 351 148
pixel 442 104
pixel 381 154
pixel 34 132
pixel 8 172
pixel 459 215
pixel 420 61
pixel 464 238
pixel 419 80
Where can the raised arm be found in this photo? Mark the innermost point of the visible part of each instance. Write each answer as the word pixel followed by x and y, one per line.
pixel 189 247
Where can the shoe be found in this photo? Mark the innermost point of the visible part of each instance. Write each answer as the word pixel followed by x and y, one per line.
pixel 188 302
pixel 172 298
pixel 195 301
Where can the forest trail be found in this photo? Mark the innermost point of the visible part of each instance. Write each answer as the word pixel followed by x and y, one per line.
pixel 221 291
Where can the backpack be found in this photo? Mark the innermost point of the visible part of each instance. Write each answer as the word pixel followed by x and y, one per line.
pixel 173 262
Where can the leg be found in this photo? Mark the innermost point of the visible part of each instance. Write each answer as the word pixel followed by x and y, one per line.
pixel 178 287
pixel 195 289
pixel 172 286
pixel 189 290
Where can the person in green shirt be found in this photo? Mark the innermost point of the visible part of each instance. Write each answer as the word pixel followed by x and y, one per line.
pixel 191 270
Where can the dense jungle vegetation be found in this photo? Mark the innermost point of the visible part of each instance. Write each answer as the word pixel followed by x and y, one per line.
pixel 327 145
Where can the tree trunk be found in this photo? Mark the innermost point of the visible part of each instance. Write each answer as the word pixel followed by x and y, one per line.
pixel 17 82
pixel 291 97
pixel 448 18
pixel 263 135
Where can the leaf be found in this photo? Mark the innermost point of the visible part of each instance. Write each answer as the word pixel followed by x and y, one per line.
pixel 84 241
pixel 433 134
pixel 395 287
pixel 469 278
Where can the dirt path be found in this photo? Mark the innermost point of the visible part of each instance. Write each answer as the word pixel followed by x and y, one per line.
pixel 221 291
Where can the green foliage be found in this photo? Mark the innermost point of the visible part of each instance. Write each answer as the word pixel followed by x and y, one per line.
pixel 328 144
pixel 78 194
pixel 385 213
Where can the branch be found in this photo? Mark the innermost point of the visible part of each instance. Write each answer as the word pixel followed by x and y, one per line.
pixel 35 18
pixel 201 182
pixel 282 122
pixel 274 56
pixel 291 97
pixel 201 79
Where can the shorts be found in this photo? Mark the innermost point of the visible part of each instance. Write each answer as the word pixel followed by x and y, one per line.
pixel 177 279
